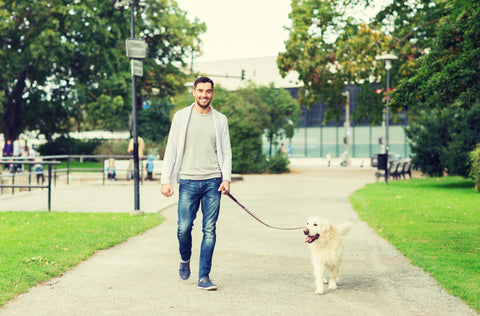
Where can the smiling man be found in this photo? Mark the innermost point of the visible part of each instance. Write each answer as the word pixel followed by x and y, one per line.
pixel 198 156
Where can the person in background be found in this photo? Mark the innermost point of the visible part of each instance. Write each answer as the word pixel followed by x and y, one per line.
pixel 141 149
pixel 111 170
pixel 149 167
pixel 38 170
pixel 7 151
pixel 198 155
pixel 17 153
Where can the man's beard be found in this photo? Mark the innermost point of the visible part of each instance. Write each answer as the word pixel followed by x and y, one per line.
pixel 204 106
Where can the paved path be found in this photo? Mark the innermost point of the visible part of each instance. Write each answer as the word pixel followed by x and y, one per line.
pixel 259 271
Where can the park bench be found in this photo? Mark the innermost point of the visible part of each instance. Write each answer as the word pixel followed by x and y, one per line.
pixel 406 169
pixel 396 170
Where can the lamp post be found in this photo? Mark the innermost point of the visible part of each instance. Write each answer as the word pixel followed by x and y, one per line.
pixel 189 86
pixel 388 65
pixel 347 128
pixel 134 56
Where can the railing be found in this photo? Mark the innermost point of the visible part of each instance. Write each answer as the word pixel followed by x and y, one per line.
pixel 29 185
pixel 101 158
pixel 52 162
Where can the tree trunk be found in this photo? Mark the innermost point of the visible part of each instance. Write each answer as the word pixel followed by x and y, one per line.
pixel 11 121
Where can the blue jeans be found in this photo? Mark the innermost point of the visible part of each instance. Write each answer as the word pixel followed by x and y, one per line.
pixel 191 194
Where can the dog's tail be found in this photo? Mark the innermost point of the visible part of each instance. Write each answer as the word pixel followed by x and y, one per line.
pixel 344 228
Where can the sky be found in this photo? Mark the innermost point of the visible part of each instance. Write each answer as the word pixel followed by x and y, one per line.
pixel 242 29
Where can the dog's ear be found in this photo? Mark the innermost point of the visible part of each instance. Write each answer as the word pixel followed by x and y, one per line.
pixel 327 228
pixel 330 227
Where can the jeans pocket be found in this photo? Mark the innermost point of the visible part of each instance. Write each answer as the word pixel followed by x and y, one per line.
pixel 184 181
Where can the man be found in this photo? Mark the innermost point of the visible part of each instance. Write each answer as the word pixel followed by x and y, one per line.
pixel 199 157
pixel 141 149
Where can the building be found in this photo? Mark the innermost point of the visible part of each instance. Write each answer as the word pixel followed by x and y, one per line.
pixel 313 137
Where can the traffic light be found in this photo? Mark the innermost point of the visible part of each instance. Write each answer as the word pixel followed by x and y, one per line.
pixel 345 140
pixel 243 74
pixel 380 140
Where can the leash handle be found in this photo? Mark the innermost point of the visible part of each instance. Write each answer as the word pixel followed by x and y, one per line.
pixel 258 219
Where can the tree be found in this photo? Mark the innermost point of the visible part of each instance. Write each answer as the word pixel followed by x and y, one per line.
pixel 64 61
pixel 283 111
pixel 246 119
pixel 445 92
pixel 442 138
pixel 329 49
pixel 450 73
pixel 154 122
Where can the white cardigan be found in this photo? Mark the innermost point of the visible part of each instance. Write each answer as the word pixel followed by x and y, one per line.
pixel 172 160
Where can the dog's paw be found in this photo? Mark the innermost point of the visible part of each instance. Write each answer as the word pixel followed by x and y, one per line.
pixel 320 291
pixel 332 286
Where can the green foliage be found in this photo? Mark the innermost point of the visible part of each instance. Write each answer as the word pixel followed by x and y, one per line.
pixel 68 146
pixel 283 111
pixel 112 148
pixel 435 223
pixel 246 121
pixel 441 139
pixel 449 74
pixel 37 246
pixel 251 111
pixel 474 161
pixel 444 95
pixel 330 50
pixel 154 122
pixel 278 163
pixel 64 63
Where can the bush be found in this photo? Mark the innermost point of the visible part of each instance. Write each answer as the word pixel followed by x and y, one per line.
pixel 112 148
pixel 118 148
pixel 68 146
pixel 278 163
pixel 474 160
pixel 154 121
pixel 442 138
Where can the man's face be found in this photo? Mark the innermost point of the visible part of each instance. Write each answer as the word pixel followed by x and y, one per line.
pixel 203 94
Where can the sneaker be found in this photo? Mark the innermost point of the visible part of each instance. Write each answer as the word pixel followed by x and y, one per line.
pixel 184 270
pixel 206 284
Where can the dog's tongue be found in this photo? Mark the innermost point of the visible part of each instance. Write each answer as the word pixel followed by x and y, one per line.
pixel 309 239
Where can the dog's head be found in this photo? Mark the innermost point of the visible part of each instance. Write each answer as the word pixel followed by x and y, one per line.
pixel 315 227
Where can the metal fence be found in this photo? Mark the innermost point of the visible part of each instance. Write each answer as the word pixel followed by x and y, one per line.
pixel 12 163
pixel 314 142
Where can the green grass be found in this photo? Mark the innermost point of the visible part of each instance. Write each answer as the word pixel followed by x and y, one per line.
pixel 81 165
pixel 434 222
pixel 37 246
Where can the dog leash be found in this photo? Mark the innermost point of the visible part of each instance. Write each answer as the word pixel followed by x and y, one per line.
pixel 258 219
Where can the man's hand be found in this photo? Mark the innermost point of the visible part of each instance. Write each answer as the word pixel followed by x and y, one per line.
pixel 225 186
pixel 167 189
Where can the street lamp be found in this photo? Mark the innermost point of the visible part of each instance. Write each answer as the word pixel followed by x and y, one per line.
pixel 347 128
pixel 189 86
pixel 134 53
pixel 388 65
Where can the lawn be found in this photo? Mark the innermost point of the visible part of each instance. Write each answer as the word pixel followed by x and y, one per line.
pixel 81 165
pixel 37 246
pixel 435 222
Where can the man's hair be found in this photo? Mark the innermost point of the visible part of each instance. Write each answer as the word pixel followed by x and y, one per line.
pixel 202 80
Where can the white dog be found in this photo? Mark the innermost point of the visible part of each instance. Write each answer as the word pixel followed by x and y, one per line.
pixel 325 241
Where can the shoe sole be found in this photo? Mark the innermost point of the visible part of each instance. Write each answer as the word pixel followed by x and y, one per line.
pixel 210 288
